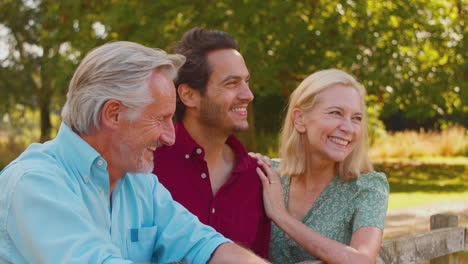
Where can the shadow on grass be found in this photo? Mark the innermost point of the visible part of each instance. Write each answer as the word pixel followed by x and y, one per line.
pixel 425 177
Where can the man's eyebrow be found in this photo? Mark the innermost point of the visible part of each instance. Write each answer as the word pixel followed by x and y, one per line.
pixel 235 77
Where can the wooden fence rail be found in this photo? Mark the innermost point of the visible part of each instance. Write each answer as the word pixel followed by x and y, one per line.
pixel 444 238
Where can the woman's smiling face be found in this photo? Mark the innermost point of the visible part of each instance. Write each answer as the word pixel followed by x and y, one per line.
pixel 333 126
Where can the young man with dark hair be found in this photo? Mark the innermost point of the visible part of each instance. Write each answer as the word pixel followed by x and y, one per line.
pixel 208 169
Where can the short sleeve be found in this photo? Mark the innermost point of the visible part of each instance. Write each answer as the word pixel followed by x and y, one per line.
pixel 371 201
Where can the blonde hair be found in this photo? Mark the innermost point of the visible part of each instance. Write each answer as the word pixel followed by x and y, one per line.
pixel 292 143
pixel 118 70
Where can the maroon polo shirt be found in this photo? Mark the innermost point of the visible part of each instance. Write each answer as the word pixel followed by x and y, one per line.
pixel 236 211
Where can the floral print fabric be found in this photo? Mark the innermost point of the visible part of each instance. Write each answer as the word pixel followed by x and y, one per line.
pixel 340 210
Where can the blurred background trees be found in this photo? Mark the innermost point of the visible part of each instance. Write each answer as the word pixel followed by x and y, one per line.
pixel 409 54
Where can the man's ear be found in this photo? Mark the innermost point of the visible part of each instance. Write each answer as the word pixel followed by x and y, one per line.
pixel 298 120
pixel 112 113
pixel 189 96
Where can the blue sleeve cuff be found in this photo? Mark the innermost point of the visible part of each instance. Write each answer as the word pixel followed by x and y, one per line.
pixel 205 254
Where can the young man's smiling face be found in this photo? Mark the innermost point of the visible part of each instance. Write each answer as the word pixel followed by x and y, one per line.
pixel 227 94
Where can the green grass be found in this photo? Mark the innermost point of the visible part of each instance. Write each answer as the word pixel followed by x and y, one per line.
pixel 457 160
pixel 402 200
pixel 417 182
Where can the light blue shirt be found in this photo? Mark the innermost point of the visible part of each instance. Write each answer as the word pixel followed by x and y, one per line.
pixel 55 208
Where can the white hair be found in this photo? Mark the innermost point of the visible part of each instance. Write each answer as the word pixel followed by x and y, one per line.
pixel 118 70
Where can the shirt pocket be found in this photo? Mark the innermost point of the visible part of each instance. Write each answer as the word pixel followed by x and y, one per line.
pixel 140 243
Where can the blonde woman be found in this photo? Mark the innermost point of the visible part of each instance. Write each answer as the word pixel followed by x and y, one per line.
pixel 334 204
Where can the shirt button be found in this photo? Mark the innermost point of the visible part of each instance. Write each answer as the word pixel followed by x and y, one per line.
pixel 187 156
pixel 101 193
pixel 100 162
pixel 199 151
pixel 213 210
pixel 203 175
pixel 86 176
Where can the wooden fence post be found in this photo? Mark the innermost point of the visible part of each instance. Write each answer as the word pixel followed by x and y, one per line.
pixel 442 221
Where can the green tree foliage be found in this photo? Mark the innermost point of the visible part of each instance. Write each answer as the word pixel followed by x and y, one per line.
pixel 409 54
pixel 45 40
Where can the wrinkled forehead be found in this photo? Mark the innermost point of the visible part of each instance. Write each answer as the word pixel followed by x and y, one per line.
pixel 163 93
pixel 161 84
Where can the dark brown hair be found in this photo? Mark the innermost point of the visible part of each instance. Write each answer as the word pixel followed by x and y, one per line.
pixel 195 45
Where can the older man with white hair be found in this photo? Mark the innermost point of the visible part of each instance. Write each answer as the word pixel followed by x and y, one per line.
pixel 87 196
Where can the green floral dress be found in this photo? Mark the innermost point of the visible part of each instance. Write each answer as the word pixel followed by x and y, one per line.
pixel 340 210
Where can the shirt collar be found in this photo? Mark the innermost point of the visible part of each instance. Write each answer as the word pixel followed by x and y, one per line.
pixel 77 152
pixel 186 144
pixel 244 161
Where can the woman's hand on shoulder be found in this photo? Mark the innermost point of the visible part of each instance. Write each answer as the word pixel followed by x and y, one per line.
pixel 260 158
pixel 273 195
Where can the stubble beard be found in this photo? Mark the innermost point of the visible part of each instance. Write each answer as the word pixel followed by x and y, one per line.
pixel 138 163
pixel 213 115
pixel 144 166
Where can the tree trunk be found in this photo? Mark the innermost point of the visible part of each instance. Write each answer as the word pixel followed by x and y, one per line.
pixel 45 95
pixel 46 125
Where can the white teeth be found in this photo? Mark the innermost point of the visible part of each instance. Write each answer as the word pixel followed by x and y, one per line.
pixel 339 141
pixel 239 109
